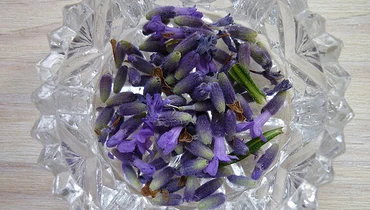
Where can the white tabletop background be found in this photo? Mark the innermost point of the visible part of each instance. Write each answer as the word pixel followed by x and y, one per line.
pixel 23 28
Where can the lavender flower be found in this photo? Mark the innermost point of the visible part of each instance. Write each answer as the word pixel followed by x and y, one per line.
pixel 104 117
pixel 207 189
pixel 187 64
pixel 131 108
pixel 207 46
pixel 134 76
pixel 189 11
pixel 188 84
pixel 261 56
pixel 230 124
pixel 120 79
pixel 152 86
pixel 121 98
pixel 130 175
pixel 141 64
pixel 241 180
pixel 157 58
pixel 217 97
pixel 188 44
pixel 161 178
pixel 199 149
pixel 244 54
pixel 144 167
pixel 247 111
pixel 227 40
pixel 192 167
pixel 201 92
pixel 241 32
pixel 165 12
pixel 129 48
pixel 238 146
pixel 203 128
pixel 212 201
pixel 265 161
pixel 171 61
pixel 186 20
pixel 227 88
pixel 190 187
pixel 171 200
pixel 227 20
pixel 271 108
pixel 105 87
pixel 169 140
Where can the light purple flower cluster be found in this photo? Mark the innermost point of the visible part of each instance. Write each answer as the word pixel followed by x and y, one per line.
pixel 184 125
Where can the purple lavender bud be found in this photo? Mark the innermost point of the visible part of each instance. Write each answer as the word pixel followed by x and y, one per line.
pixel 192 167
pixel 190 11
pixel 227 20
pixel 230 124
pixel 130 175
pixel 134 76
pixel 203 30
pixel 203 128
pixel 238 146
pixel 190 187
pixel 126 129
pixel 217 97
pixel 144 79
pixel 226 66
pixel 158 163
pixel 206 46
pixel 104 117
pixel 227 40
pixel 141 64
pixel 221 56
pixel 247 111
pixel 172 200
pixel 157 58
pixel 146 30
pixel 152 86
pixel 171 61
pixel 188 44
pixel 171 119
pixel 120 79
pixel 282 86
pixel 121 98
pixel 218 124
pixel 170 79
pixel 187 64
pixel 174 185
pixel 171 44
pixel 104 135
pixel 188 84
pixel 201 106
pixel 152 46
pixel 130 48
pixel 207 189
pixel 241 180
pixel 265 161
pixel 166 12
pixel 161 178
pixel 261 56
pixel 241 32
pixel 175 100
pixel 227 88
pixel 119 54
pixel 144 167
pixel 201 92
pixel 191 21
pixel 244 54
pixel 198 149
pixel 206 66
pixel 275 103
pixel 212 201
pixel 105 87
pixel 169 140
pixel 131 108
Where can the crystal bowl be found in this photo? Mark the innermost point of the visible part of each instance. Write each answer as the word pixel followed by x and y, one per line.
pixel 313 118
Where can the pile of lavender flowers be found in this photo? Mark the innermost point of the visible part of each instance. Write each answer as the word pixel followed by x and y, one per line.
pixel 194 104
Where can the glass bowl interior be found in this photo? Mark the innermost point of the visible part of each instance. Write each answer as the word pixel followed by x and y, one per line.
pixel 313 117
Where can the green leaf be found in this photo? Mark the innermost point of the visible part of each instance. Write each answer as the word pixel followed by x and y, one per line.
pixel 255 144
pixel 241 75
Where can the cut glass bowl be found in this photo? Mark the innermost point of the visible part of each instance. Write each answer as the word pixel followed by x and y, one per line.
pixel 313 118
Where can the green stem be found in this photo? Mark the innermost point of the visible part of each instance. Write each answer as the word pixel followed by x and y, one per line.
pixel 241 75
pixel 255 144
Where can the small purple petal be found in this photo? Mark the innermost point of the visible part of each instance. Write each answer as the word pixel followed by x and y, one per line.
pixel 126 146
pixel 217 97
pixel 134 76
pixel 220 149
pixel 227 20
pixel 153 46
pixel 238 146
pixel 228 41
pixel 154 104
pixel 144 167
pixel 212 201
pixel 201 92
pixel 169 140
pixel 121 98
pixel 274 105
pixel 207 189
pixel 218 124
pixel 105 87
pixel 212 167
pixel 161 178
